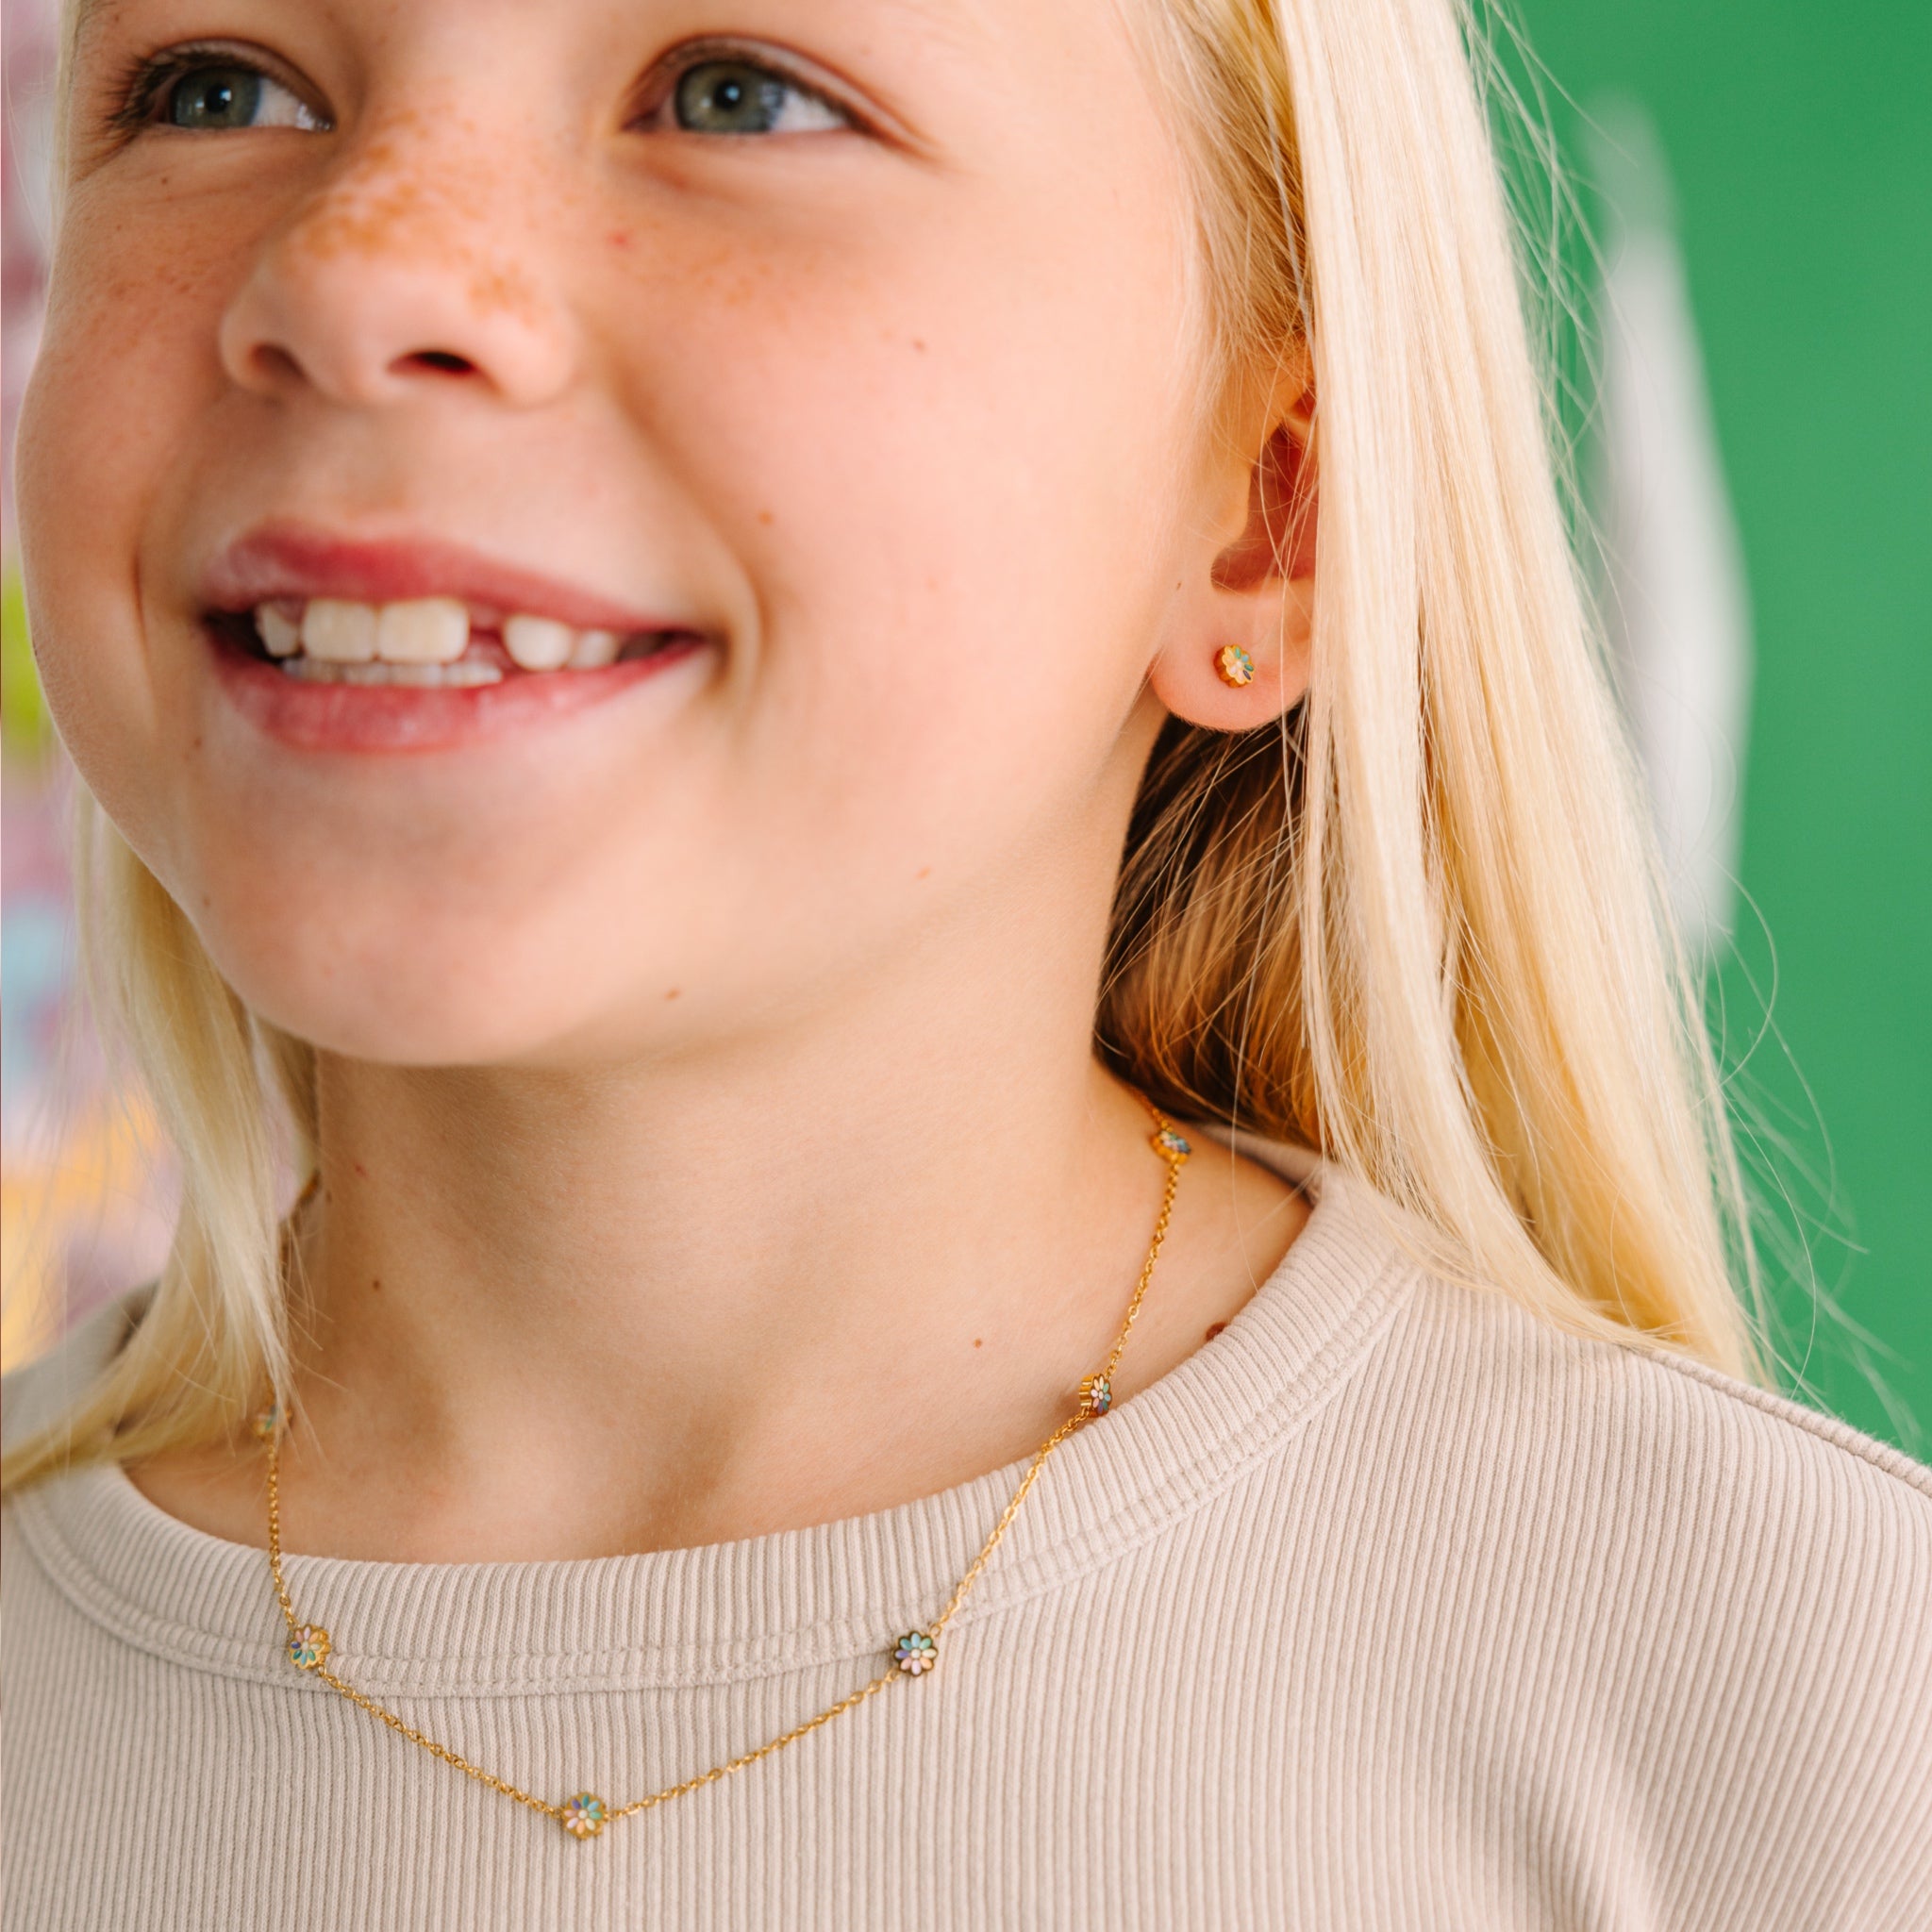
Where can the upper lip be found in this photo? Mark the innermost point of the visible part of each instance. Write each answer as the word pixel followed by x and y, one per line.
pixel 303 560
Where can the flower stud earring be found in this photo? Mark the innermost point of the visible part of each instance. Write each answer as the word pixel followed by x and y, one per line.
pixel 1235 665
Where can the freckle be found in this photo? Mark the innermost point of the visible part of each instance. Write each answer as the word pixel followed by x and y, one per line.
pixel 925 872
pixel 619 238
pixel 671 993
pixel 976 1341
pixel 361 1170
pixel 504 289
pixel 375 1285
pixel 764 516
pixel 918 345
pixel 1216 1330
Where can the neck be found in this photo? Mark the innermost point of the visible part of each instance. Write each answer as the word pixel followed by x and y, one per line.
pixel 811 1277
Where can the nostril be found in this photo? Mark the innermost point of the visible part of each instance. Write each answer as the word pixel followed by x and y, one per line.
pixel 441 359
pixel 276 365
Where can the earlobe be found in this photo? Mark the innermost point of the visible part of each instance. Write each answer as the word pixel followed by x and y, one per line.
pixel 1237 650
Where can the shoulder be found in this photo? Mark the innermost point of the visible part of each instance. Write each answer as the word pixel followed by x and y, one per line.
pixel 1654 1468
pixel 1719 1599
pixel 1470 1372
pixel 41 1391
pixel 1468 1404
pixel 1638 1609
pixel 1656 1432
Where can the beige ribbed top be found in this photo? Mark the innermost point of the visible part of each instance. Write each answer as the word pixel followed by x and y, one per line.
pixel 1388 1608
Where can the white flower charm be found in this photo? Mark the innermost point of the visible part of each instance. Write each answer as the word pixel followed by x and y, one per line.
pixel 585 1815
pixel 917 1652
pixel 1235 665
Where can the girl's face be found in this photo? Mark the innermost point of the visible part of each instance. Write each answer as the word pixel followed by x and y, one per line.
pixel 829 362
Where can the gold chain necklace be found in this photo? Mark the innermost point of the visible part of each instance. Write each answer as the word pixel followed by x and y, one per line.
pixel 585 1814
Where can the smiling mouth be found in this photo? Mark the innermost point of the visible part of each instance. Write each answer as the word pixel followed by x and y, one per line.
pixel 427 642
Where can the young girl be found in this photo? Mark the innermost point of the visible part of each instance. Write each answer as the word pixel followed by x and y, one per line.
pixel 942 1163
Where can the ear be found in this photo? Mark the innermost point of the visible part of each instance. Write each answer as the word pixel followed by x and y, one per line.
pixel 1247 576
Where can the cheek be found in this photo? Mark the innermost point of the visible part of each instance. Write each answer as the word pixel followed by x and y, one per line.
pixel 125 373
pixel 952 477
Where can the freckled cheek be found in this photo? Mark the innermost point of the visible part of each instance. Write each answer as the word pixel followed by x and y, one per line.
pixel 126 375
pixel 129 365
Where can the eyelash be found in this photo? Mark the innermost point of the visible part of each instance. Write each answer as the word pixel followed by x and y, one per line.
pixel 143 85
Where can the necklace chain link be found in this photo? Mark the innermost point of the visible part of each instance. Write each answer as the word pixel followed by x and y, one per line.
pixel 585 1815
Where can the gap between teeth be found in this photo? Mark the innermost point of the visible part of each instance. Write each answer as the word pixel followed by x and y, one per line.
pixel 335 640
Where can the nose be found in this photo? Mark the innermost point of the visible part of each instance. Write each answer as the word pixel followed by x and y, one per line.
pixel 384 286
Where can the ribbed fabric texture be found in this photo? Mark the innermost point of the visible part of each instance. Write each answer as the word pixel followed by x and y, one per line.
pixel 1388 1608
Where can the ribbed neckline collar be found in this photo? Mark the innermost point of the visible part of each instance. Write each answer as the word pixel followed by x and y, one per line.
pixel 766 1603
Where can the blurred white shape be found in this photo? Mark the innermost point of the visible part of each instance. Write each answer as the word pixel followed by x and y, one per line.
pixel 1677 602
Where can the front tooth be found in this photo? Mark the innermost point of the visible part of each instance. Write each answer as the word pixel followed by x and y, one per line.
pixel 594 649
pixel 281 637
pixel 338 632
pixel 424 630
pixel 538 644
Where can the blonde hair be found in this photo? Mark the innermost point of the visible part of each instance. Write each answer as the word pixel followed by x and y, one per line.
pixel 1418 929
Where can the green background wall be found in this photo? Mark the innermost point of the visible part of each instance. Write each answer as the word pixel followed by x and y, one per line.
pixel 1799 135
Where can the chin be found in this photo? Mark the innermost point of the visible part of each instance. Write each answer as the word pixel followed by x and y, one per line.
pixel 418 998
pixel 401 1031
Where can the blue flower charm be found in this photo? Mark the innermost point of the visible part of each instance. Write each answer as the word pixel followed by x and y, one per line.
pixel 309 1646
pixel 917 1652
pixel 585 1815
pixel 1170 1143
pixel 268 1421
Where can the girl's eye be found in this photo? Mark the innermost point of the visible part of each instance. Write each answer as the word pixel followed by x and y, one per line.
pixel 218 95
pixel 740 97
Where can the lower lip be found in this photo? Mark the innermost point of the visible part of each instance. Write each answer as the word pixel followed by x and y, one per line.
pixel 411 717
